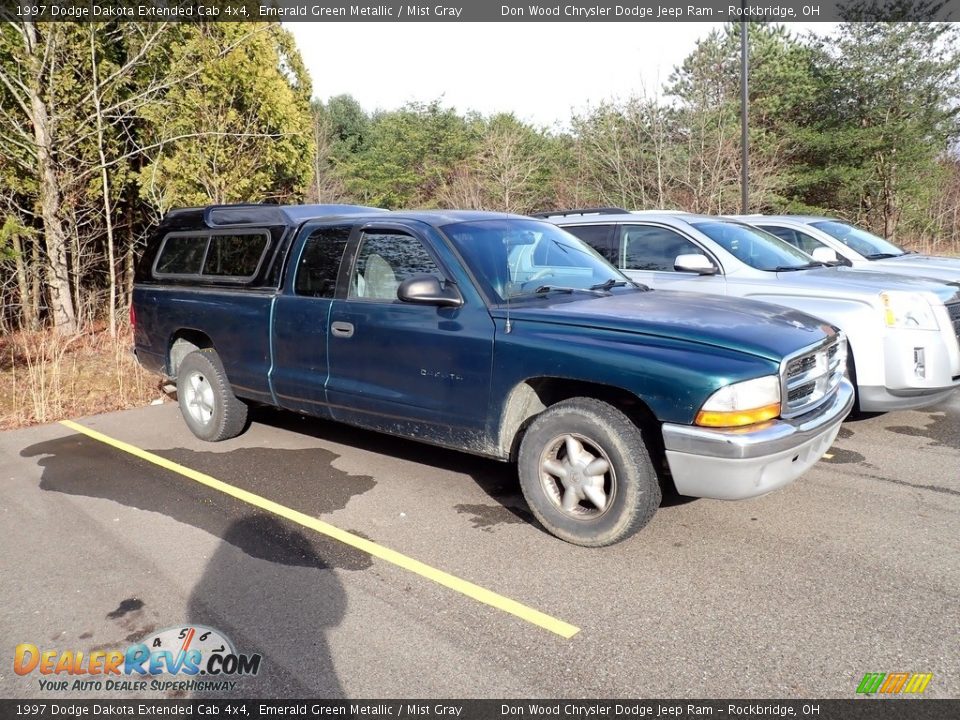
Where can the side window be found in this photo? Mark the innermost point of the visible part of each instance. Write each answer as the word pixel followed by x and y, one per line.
pixel 234 255
pixel 601 238
pixel 798 239
pixel 647 247
pixel 181 255
pixel 320 262
pixel 384 261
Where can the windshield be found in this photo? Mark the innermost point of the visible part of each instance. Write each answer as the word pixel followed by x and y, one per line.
pixel 860 241
pixel 515 258
pixel 757 248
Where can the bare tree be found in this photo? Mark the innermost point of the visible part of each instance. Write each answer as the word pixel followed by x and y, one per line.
pixel 326 186
pixel 33 130
pixel 508 165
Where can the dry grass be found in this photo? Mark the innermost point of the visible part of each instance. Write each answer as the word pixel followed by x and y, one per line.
pixel 45 377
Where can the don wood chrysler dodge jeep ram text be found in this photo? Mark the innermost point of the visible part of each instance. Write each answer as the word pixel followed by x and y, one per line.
pixel 494 334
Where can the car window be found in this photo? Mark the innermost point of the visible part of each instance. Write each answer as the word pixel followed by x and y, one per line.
pixel 320 262
pixel 648 247
pixel 800 240
pixel 601 238
pixel 181 255
pixel 867 244
pixel 234 255
pixel 384 261
pixel 223 256
pixel 754 247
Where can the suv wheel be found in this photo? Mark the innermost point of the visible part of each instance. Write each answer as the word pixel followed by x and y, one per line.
pixel 586 473
pixel 208 405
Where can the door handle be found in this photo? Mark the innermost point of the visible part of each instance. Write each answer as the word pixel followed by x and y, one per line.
pixel 342 329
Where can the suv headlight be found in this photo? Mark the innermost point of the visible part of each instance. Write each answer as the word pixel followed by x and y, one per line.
pixel 908 310
pixel 743 403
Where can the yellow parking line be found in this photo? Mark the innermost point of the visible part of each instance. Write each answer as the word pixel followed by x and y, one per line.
pixel 440 577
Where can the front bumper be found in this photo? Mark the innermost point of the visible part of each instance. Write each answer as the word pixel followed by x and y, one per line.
pixel 921 368
pixel 733 464
pixel 881 399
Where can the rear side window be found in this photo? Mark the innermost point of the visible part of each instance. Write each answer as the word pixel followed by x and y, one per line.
pixel 234 255
pixel 799 240
pixel 181 255
pixel 601 238
pixel 223 256
pixel 320 262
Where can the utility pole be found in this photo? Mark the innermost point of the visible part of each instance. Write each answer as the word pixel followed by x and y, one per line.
pixel 744 117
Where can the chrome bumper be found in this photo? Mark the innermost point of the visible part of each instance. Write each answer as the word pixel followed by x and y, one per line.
pixel 733 464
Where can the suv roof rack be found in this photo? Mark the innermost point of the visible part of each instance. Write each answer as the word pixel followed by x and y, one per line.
pixel 582 211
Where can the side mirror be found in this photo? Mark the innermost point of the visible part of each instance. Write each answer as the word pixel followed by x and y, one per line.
pixel 428 290
pixel 699 264
pixel 825 254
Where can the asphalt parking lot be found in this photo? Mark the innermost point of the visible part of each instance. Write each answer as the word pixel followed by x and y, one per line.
pixel 853 569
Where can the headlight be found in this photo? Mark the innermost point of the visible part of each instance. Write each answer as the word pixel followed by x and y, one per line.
pixel 908 310
pixel 743 403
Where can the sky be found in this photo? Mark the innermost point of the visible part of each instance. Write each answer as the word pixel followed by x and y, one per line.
pixel 542 72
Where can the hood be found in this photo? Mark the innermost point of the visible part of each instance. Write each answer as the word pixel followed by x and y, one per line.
pixel 758 328
pixel 928 266
pixel 849 282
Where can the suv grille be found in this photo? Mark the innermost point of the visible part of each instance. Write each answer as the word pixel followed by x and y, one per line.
pixel 810 376
pixel 954 311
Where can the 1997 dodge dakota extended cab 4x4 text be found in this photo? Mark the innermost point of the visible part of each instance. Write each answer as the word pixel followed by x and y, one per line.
pixel 493 334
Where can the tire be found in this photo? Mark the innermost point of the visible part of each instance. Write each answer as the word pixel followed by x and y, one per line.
pixel 857 411
pixel 595 433
pixel 208 405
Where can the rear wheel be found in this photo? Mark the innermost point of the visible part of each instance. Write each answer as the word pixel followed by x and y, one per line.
pixel 207 403
pixel 586 473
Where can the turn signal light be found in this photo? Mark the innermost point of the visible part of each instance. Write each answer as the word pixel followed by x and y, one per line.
pixel 737 418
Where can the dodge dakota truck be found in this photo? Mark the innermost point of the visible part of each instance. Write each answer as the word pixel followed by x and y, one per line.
pixel 493 334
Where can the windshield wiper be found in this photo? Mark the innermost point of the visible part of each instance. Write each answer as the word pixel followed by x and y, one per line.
pixel 611 283
pixel 543 289
pixel 790 268
pixel 881 256
pixel 608 284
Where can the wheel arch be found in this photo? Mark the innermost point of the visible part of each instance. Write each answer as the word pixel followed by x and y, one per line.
pixel 183 342
pixel 532 396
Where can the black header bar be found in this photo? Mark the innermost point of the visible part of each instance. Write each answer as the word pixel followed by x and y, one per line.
pixel 419 709
pixel 783 11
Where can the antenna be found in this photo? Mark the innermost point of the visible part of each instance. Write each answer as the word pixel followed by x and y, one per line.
pixel 508 326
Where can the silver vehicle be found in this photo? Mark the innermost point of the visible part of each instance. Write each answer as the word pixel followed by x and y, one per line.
pixel 831 239
pixel 903 332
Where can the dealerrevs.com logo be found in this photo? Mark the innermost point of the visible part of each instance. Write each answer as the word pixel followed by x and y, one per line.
pixel 172 659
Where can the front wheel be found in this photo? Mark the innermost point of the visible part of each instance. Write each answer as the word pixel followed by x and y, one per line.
pixel 207 403
pixel 586 473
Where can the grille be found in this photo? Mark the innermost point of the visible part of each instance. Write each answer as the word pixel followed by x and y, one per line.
pixel 810 376
pixel 954 311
